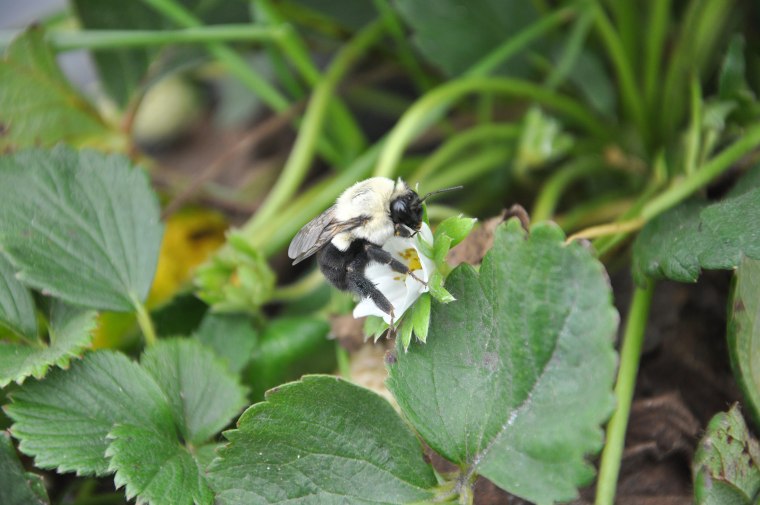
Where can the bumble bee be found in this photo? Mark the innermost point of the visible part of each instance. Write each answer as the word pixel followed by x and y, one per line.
pixel 350 234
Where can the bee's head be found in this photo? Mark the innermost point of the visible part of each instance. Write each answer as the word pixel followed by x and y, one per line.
pixel 406 209
pixel 406 205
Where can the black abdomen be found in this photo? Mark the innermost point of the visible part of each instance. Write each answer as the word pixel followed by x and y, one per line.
pixel 334 263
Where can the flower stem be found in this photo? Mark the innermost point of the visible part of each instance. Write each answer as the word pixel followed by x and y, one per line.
pixel 119 39
pixel 444 155
pixel 303 151
pixel 630 355
pixel 298 289
pixel 470 168
pixel 685 187
pixel 605 230
pixel 145 322
pixel 706 173
pixel 431 106
pixel 629 91
pixel 341 121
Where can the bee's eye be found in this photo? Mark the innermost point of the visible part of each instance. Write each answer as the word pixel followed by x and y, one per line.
pixel 398 208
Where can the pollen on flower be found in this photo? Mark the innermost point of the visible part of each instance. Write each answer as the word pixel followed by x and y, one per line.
pixel 412 259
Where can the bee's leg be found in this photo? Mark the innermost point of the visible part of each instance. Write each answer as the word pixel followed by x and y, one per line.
pixel 359 284
pixel 380 255
pixel 402 231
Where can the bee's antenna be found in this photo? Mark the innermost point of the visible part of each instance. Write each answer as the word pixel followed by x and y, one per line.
pixel 440 191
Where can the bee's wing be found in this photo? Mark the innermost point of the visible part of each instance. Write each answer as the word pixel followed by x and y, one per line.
pixel 318 232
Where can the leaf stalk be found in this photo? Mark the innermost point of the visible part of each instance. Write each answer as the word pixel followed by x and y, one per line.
pixel 630 356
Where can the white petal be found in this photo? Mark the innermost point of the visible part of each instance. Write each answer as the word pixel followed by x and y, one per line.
pixel 367 307
pixel 401 290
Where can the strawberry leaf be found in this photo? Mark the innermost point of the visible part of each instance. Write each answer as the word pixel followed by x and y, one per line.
pixel 727 462
pixel 699 235
pixel 321 440
pixel 517 374
pixel 38 107
pixel 82 226
pixel 744 332
pixel 204 396
pixel 69 332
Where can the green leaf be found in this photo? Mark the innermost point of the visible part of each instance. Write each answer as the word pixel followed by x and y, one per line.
pixel 744 332
pixel 156 468
pixel 421 317
pixel 456 227
pixel 727 463
pixel 592 80
pixel 70 333
pixel 437 291
pixel 81 226
pixel 321 440
pixel 204 396
pixel 696 235
pixel 38 107
pixel 441 249
pixel 237 279
pixel 731 80
pixel 289 348
pixel 63 420
pixel 454 34
pixel 16 304
pixel 405 332
pixel 16 486
pixel 517 374
pixel 231 336
pixel 541 141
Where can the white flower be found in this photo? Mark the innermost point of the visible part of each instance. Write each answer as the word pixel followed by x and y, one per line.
pixel 401 290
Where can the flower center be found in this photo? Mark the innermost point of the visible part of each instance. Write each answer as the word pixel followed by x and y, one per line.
pixel 412 259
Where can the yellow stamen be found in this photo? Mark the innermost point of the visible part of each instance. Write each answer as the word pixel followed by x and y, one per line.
pixel 412 259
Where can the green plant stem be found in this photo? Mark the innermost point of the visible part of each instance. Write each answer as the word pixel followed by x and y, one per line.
pixel 657 29
pixel 430 107
pixel 237 66
pixel 459 144
pixel 471 168
pixel 694 134
pixel 302 154
pixel 549 196
pixel 520 41
pixel 342 123
pixel 119 39
pixel 145 322
pixel 702 26
pixel 630 355
pixel 302 287
pixel 233 61
pixel 684 187
pixel 630 95
pixel 572 49
pixel 706 173
pixel 626 13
